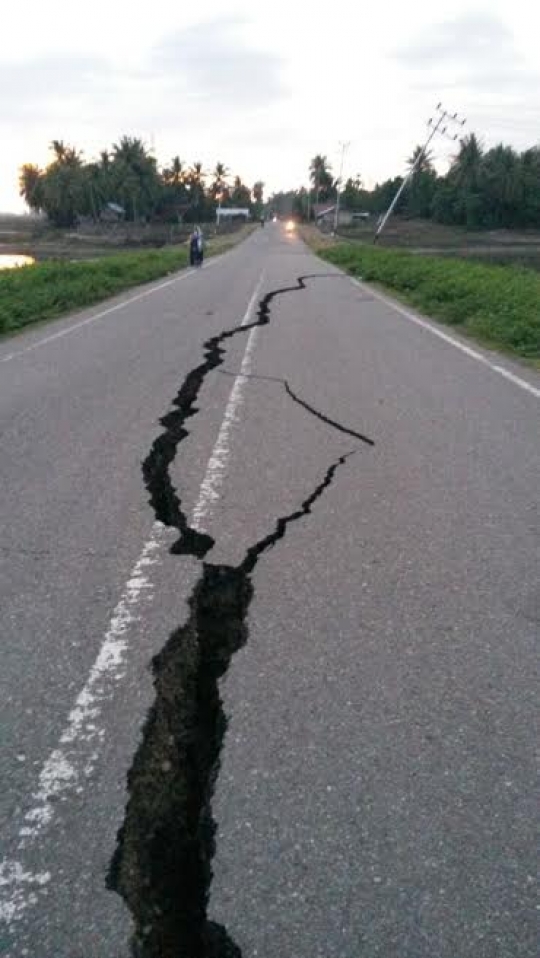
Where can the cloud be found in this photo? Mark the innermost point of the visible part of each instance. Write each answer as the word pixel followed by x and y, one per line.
pixel 462 40
pixel 30 88
pixel 474 52
pixel 213 63
pixel 205 75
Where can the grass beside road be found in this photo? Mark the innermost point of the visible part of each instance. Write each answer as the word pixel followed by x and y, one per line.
pixel 497 305
pixel 49 289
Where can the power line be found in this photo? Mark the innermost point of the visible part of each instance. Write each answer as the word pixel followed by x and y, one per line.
pixel 438 124
pixel 344 146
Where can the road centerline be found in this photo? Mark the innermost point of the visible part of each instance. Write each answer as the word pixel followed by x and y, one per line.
pixel 72 762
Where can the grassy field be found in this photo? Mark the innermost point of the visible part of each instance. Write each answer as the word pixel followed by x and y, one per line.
pixel 501 247
pixel 497 305
pixel 34 236
pixel 51 288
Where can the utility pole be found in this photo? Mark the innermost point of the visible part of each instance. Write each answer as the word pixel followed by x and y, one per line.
pixel 344 146
pixel 435 125
pixel 309 202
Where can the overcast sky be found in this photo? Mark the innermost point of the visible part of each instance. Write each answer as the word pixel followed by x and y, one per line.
pixel 263 86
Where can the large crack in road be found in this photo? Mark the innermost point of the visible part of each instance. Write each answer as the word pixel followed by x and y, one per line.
pixel 164 500
pixel 162 866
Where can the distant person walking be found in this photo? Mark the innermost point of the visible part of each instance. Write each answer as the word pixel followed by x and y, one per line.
pixel 196 247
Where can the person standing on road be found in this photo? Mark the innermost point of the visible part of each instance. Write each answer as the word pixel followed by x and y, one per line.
pixel 196 247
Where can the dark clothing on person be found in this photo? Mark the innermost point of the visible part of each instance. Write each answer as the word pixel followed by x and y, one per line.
pixel 196 249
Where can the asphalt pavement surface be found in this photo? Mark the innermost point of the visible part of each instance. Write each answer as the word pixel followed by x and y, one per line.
pixel 270 606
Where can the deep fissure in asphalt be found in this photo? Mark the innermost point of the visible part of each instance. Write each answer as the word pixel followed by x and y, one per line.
pixel 162 865
pixel 164 499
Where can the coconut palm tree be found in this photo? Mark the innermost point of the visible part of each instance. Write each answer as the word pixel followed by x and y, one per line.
pixel 196 174
pixel 174 174
pixel 219 182
pixel 135 176
pixel 241 194
pixel 59 149
pixel 320 174
pixel 502 185
pixel 31 186
pixel 465 168
pixel 258 191
pixel 421 160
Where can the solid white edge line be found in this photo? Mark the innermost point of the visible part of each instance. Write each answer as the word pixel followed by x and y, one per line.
pixel 104 312
pixel 64 768
pixel 468 350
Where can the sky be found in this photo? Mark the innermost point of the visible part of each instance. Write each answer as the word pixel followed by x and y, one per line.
pixel 264 86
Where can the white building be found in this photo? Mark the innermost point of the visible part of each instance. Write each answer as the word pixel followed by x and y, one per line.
pixel 232 212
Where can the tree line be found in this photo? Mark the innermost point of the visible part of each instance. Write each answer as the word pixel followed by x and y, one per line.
pixel 483 189
pixel 128 176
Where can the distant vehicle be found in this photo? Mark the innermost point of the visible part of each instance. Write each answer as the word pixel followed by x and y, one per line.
pixel 290 226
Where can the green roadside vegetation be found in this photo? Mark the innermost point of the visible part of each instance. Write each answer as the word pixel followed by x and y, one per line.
pixel 47 290
pixel 496 305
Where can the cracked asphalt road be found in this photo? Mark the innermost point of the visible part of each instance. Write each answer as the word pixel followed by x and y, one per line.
pixel 373 794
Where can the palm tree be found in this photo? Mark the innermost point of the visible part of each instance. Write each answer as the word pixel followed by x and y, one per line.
pixel 135 175
pixel 174 174
pixel 421 160
pixel 421 181
pixel 501 181
pixel 174 187
pixel 64 193
pixel 258 191
pixel 354 193
pixel 59 149
pixel 219 183
pixel 63 185
pixel 464 198
pixel 94 192
pixel 319 169
pixel 195 183
pixel 320 175
pixel 241 194
pixel 465 168
pixel 196 174
pixel 31 186
pixel 65 155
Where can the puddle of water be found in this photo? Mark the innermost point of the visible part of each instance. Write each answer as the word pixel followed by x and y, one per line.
pixel 12 260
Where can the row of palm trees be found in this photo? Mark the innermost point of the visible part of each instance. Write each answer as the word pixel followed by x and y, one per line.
pixel 494 188
pixel 128 177
pixel 499 187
